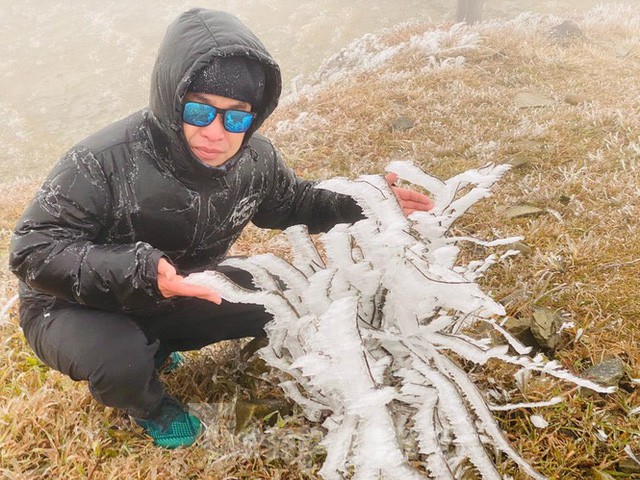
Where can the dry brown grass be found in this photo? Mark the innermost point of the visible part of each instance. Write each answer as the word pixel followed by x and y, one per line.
pixel 584 168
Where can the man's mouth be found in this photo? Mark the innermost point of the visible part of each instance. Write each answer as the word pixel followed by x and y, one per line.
pixel 207 150
pixel 206 153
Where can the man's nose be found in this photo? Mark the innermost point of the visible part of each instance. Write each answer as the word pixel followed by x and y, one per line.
pixel 215 129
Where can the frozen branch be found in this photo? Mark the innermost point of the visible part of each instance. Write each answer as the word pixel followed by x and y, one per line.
pixel 369 330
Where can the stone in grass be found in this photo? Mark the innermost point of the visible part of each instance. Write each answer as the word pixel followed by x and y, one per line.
pixel 606 373
pixel 520 328
pixel 520 211
pixel 545 327
pixel 516 325
pixel 532 100
pixel 520 160
pixel 249 410
pixel 402 123
pixel 567 29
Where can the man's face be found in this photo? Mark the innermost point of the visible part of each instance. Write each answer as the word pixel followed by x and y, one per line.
pixel 212 144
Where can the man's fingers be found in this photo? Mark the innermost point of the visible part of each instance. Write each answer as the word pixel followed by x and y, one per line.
pixel 171 284
pixel 214 297
pixel 411 195
pixel 178 287
pixel 391 178
pixel 405 205
pixel 409 199
pixel 405 193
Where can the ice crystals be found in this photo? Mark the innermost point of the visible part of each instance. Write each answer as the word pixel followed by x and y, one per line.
pixel 366 332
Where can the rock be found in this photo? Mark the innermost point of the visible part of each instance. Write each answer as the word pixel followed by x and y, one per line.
pixel 606 373
pixel 515 325
pixel 520 159
pixel 575 99
pixel 250 410
pixel 523 211
pixel 545 327
pixel 627 465
pixel 520 328
pixel 567 29
pixel 402 123
pixel 530 100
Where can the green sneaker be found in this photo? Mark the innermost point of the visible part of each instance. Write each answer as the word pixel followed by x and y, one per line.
pixel 173 426
pixel 170 363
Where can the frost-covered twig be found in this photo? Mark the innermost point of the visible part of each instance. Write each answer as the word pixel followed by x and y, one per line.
pixel 367 329
pixel 3 313
pixel 515 406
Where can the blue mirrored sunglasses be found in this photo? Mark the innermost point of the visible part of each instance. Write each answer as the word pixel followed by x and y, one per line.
pixel 201 115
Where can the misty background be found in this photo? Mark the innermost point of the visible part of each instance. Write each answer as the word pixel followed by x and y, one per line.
pixel 68 69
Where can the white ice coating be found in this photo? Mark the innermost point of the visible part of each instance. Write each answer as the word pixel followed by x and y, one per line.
pixel 538 421
pixel 366 329
pixel 4 317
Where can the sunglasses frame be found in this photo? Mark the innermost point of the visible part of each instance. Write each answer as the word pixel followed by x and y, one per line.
pixel 226 120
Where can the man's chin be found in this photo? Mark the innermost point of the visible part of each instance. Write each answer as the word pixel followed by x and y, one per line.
pixel 213 163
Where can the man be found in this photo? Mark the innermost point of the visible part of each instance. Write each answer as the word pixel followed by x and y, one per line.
pixel 103 249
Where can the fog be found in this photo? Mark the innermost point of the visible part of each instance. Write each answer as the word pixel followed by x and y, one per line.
pixel 70 68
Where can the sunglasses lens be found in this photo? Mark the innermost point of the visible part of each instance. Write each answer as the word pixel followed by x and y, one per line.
pixel 198 114
pixel 237 121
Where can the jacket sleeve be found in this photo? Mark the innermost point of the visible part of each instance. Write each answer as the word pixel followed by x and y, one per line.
pixel 54 248
pixel 292 201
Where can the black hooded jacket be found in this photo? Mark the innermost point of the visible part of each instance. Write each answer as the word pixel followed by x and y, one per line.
pixel 133 192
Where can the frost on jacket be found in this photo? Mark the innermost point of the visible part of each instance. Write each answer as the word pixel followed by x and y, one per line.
pixel 133 192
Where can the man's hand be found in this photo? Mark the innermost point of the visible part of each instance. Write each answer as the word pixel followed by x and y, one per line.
pixel 171 284
pixel 410 201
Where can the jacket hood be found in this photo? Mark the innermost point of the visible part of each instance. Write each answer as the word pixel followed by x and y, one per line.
pixel 190 43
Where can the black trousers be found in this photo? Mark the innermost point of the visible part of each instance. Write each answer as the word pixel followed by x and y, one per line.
pixel 117 353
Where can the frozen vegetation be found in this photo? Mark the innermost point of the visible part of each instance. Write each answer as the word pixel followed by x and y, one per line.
pixel 365 328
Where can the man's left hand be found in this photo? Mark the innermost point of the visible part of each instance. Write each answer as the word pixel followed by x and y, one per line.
pixel 410 201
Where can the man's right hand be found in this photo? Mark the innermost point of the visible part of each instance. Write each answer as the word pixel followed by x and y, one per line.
pixel 171 284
